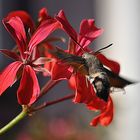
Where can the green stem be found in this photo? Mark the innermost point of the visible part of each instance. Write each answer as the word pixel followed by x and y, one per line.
pixel 14 121
pixel 26 110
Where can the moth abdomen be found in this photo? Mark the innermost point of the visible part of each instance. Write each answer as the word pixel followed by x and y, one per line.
pixel 101 85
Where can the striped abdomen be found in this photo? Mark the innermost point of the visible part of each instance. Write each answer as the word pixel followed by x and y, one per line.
pixel 101 84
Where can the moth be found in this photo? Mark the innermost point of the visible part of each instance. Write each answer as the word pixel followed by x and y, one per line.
pixel 90 66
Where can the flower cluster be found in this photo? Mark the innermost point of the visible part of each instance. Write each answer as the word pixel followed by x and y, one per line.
pixel 29 59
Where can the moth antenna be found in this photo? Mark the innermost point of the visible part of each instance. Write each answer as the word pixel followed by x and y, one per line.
pixel 99 51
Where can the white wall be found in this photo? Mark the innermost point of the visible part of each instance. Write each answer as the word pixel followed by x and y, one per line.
pixel 121 22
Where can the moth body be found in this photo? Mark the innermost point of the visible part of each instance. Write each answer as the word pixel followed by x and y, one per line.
pixel 97 76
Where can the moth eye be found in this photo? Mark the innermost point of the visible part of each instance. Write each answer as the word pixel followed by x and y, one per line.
pixel 83 55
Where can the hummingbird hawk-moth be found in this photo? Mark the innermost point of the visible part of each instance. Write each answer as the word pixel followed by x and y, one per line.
pixel 90 66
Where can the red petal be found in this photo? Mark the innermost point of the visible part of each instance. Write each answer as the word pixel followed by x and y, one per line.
pixel 114 66
pixel 10 54
pixel 96 104
pixel 8 75
pixel 72 82
pixel 46 47
pixel 60 71
pixel 106 115
pixel 16 28
pixel 42 60
pixel 43 15
pixel 84 90
pixel 26 19
pixel 49 66
pixel 65 25
pixel 29 89
pixel 88 32
pixel 45 28
pixel 72 47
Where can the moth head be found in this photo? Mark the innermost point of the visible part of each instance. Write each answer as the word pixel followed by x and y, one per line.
pixel 87 55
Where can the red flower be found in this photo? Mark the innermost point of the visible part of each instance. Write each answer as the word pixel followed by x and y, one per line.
pixel 83 93
pixel 27 20
pixel 86 94
pixel 27 62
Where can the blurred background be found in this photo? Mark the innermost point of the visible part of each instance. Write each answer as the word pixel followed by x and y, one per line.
pixel 66 121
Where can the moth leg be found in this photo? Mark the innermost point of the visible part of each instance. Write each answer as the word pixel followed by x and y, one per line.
pixel 80 66
pixel 87 81
pixel 116 90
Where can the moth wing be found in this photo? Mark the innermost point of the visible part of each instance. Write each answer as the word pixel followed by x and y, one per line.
pixel 78 67
pixel 116 80
pixel 77 62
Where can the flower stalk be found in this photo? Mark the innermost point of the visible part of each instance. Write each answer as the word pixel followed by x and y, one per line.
pixel 46 104
pixel 25 111
pixel 50 84
pixel 12 123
